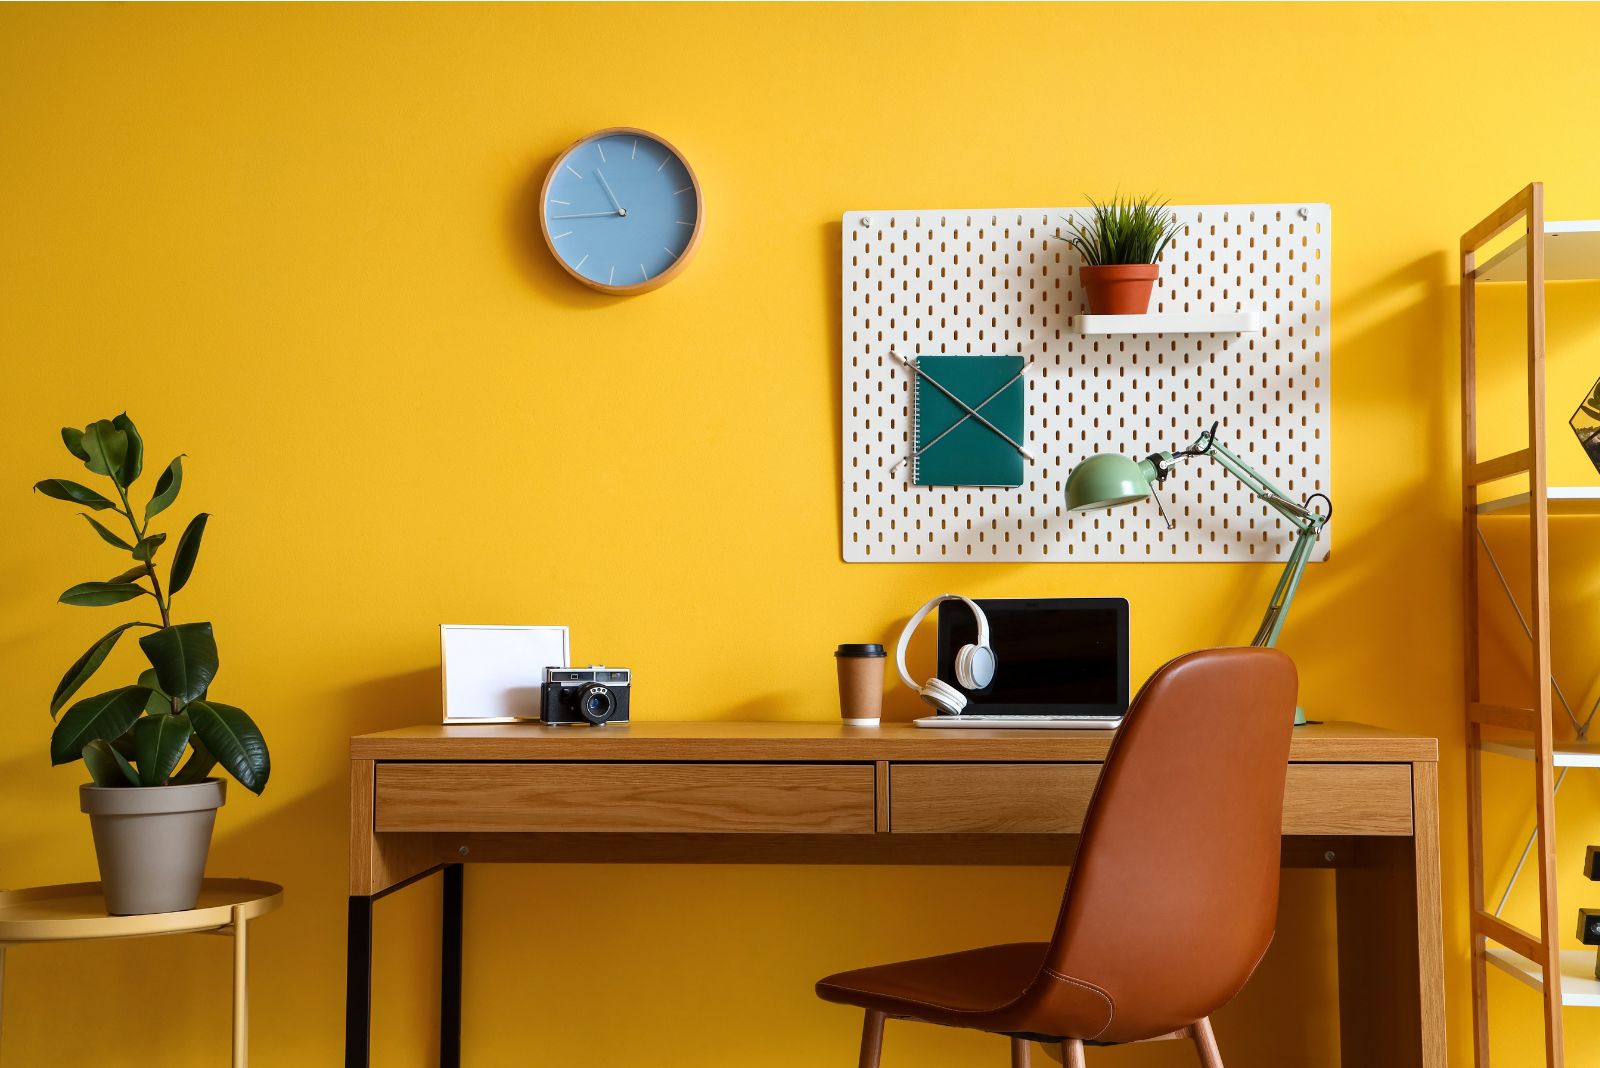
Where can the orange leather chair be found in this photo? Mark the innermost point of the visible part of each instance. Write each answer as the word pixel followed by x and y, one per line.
pixel 1172 900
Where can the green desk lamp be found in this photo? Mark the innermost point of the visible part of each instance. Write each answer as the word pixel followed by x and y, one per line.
pixel 1107 480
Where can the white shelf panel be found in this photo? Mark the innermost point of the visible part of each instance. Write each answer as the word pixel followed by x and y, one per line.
pixel 1564 500
pixel 1578 984
pixel 1564 754
pixel 1571 254
pixel 1170 323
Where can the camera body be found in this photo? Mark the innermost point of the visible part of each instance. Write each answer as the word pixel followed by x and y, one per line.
pixel 594 695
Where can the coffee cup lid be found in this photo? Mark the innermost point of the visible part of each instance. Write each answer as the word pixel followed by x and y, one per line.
pixel 870 649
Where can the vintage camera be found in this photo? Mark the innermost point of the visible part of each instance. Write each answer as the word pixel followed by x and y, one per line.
pixel 595 694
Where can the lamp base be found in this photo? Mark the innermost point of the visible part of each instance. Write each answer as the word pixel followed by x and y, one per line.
pixel 1300 716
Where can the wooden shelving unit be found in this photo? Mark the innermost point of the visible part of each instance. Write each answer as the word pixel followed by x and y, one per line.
pixel 1542 251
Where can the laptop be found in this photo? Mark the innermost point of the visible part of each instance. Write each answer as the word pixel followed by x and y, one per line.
pixel 1061 663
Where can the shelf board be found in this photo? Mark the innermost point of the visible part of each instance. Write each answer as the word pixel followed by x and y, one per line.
pixel 1170 323
pixel 1578 984
pixel 1564 500
pixel 1563 754
pixel 1571 254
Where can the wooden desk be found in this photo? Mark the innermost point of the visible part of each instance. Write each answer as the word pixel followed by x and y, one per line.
pixel 1360 800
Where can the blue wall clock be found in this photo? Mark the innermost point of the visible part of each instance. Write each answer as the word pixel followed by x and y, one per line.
pixel 621 211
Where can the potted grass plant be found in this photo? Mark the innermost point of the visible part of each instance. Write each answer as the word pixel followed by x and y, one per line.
pixel 151 747
pixel 1120 242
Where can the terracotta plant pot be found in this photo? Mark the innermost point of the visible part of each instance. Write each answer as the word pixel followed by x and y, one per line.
pixel 1119 288
pixel 151 843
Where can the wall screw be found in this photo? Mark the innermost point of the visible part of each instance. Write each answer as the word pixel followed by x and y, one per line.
pixel 463 852
pixel 1328 856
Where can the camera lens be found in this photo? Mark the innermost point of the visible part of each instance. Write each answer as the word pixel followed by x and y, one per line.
pixel 596 703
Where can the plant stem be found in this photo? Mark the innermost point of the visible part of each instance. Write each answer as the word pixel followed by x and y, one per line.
pixel 149 565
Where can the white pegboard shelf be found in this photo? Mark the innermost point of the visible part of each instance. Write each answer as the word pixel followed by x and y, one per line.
pixel 1564 500
pixel 996 281
pixel 1578 984
pixel 1571 254
pixel 1169 323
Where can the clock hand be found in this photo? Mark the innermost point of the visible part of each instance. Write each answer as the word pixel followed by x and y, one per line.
pixel 590 215
pixel 607 187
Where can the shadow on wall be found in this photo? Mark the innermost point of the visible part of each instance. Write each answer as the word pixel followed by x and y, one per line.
pixel 833 271
pixel 525 239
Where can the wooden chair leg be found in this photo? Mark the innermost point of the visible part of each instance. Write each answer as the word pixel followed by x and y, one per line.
pixel 1205 1043
pixel 1019 1053
pixel 1072 1054
pixel 871 1039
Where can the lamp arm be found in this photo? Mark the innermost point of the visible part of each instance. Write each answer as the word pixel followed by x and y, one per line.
pixel 1307 523
pixel 1292 510
pixel 1283 596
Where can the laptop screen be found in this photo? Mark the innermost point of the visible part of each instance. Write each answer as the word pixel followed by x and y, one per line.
pixel 1054 656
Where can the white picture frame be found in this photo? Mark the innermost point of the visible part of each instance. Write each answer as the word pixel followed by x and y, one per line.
pixel 495 674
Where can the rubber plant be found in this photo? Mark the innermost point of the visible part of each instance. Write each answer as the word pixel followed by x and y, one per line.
pixel 139 735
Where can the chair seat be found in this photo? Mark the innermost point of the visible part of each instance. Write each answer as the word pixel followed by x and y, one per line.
pixel 967 989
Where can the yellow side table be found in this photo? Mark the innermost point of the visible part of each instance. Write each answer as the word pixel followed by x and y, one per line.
pixel 75 912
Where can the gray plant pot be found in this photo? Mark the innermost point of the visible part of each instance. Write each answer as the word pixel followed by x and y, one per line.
pixel 151 843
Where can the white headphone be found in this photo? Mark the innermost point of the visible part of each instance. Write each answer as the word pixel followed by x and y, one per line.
pixel 974 663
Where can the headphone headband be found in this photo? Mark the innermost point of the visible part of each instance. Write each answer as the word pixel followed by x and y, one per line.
pixel 922 613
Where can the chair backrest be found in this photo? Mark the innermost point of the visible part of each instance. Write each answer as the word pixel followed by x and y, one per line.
pixel 1173 898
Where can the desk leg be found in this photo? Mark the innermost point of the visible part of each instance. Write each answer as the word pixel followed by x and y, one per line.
pixel 1391 954
pixel 450 968
pixel 358 984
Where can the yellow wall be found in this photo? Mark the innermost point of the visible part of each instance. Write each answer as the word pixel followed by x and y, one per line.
pixel 292 242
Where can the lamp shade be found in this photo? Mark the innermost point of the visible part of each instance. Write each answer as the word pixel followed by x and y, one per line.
pixel 1105 481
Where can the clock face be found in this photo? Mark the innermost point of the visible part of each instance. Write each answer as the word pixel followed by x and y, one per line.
pixel 621 211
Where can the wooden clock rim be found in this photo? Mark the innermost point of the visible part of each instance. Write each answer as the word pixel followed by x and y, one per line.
pixel 694 236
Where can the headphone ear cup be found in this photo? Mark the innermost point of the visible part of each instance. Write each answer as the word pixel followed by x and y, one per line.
pixel 975 666
pixel 945 699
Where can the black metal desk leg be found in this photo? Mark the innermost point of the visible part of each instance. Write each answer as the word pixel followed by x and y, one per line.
pixel 450 969
pixel 358 985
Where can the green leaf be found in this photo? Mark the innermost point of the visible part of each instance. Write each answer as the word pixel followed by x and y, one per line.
pixel 146 549
pixel 184 556
pixel 105 535
pixel 185 659
pixel 138 571
pixel 105 715
pixel 234 741
pixel 107 767
pixel 72 438
pixel 98 594
pixel 66 490
pixel 167 487
pixel 158 702
pixel 159 742
pixel 133 462
pixel 197 767
pixel 85 666
pixel 107 448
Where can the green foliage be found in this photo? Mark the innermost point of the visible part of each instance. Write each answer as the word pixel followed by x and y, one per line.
pixel 138 735
pixel 1121 231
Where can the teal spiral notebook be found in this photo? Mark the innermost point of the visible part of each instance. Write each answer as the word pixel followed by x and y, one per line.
pixel 951 447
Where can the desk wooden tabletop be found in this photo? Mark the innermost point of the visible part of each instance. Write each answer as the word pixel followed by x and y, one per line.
pixel 809 740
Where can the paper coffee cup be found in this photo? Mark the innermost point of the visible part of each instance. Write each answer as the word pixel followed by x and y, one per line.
pixel 860 683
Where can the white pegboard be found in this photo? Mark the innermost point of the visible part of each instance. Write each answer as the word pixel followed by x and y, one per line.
pixel 997 281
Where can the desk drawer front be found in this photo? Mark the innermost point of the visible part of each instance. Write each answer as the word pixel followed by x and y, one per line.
pixel 1367 799
pixel 661 798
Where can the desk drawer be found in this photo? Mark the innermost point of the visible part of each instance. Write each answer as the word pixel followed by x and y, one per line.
pixel 1366 799
pixel 662 798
